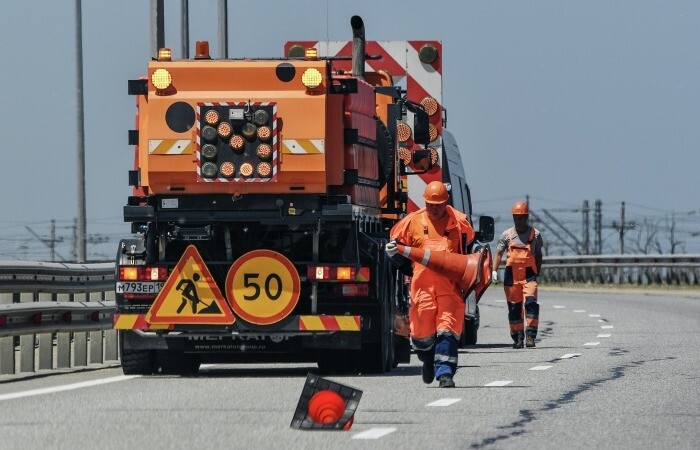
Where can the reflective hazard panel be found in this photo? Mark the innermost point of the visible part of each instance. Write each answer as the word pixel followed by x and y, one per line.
pixel 190 295
pixel 262 287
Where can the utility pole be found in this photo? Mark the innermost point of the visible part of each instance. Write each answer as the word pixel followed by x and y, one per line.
pixel 185 29
pixel 558 236
pixel 622 226
pixel 561 225
pixel 82 221
pixel 598 226
pixel 223 29
pixel 50 242
pixel 586 236
pixel 157 27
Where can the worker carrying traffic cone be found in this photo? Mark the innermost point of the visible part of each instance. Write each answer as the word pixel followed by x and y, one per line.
pixel 436 314
pixel 523 246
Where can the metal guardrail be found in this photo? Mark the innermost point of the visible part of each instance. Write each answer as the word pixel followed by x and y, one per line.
pixel 622 269
pixel 62 314
pixel 56 316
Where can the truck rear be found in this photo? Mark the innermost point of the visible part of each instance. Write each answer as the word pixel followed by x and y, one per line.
pixel 263 192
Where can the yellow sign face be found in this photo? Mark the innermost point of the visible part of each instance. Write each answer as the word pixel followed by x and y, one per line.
pixel 190 295
pixel 262 287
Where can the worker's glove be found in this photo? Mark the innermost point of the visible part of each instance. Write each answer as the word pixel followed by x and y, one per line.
pixel 390 248
pixel 494 277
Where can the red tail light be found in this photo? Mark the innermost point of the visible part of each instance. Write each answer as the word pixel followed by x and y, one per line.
pixel 143 273
pixel 338 273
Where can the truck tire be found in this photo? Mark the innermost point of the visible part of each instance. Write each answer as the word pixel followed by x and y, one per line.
pixel 137 362
pixel 469 333
pixel 379 356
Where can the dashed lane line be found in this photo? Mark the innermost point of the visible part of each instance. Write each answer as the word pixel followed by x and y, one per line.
pixel 374 433
pixel 579 310
pixel 569 355
pixel 65 387
pixel 591 344
pixel 540 368
pixel 606 327
pixel 498 383
pixel 594 315
pixel 558 306
pixel 444 402
pixel 604 335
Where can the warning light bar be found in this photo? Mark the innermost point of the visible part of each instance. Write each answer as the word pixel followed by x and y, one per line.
pixel 338 273
pixel 143 273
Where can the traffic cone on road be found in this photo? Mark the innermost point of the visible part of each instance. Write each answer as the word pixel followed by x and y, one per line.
pixel 325 405
pixel 472 271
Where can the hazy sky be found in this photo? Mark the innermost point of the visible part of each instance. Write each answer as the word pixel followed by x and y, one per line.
pixel 561 100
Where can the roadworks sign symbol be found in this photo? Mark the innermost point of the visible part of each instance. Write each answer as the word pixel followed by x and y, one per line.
pixel 190 296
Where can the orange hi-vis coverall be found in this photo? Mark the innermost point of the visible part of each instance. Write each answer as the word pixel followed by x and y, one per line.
pixel 520 284
pixel 436 315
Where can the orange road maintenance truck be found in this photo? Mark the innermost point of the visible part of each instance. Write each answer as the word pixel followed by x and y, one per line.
pixel 263 192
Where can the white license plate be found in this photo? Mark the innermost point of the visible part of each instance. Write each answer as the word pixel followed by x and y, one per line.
pixel 139 287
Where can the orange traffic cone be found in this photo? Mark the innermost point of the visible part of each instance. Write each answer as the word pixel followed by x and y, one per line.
pixel 472 271
pixel 325 405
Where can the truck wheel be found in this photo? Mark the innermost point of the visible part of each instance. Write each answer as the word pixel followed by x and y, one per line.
pixel 137 362
pixel 379 356
pixel 469 334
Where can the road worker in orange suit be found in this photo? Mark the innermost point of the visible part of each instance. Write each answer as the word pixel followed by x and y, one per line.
pixel 523 246
pixel 436 314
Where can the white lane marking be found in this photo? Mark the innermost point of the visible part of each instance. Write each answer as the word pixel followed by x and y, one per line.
pixel 604 335
pixel 374 433
pixel 540 368
pixel 594 315
pixel 591 343
pixel 498 383
pixel 444 402
pixel 579 310
pixel 569 355
pixel 558 307
pixel 606 327
pixel 601 320
pixel 65 387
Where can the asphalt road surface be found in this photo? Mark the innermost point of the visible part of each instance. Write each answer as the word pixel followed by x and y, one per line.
pixel 610 370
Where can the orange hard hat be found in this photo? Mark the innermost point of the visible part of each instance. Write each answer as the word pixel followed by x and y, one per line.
pixel 520 208
pixel 435 193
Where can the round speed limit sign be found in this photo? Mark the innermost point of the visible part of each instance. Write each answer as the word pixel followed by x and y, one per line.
pixel 262 287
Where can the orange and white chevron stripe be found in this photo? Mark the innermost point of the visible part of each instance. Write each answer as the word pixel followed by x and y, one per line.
pixel 170 147
pixel 302 146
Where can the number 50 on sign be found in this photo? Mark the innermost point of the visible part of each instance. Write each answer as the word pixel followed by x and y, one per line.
pixel 262 287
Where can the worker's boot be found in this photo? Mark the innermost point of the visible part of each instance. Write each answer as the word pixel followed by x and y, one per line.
pixel 446 381
pixel 518 342
pixel 530 341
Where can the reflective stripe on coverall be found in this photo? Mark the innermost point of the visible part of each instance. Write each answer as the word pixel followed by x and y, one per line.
pixel 437 308
pixel 520 284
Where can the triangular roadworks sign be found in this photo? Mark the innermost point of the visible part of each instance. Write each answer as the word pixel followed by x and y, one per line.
pixel 190 295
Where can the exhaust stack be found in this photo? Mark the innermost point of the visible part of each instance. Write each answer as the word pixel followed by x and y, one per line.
pixel 358 47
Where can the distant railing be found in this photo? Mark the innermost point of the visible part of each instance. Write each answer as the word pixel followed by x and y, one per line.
pixel 56 316
pixel 622 269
